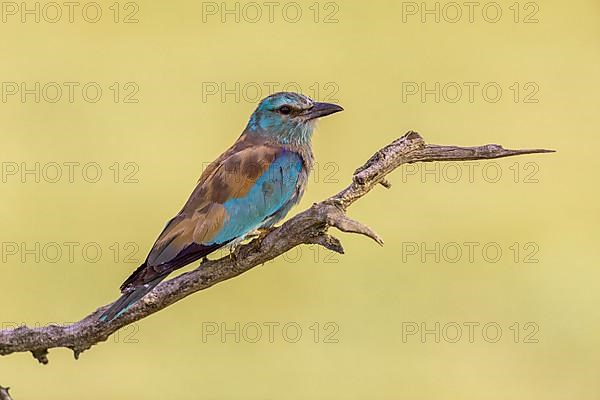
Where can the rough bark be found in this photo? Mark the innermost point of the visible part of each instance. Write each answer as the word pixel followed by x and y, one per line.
pixel 4 395
pixel 308 227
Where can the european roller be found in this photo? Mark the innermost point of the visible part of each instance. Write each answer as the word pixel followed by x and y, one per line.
pixel 251 186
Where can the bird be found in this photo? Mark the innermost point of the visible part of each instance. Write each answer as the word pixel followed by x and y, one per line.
pixel 248 188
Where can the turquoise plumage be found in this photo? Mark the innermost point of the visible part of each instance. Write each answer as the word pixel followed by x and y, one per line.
pixel 250 186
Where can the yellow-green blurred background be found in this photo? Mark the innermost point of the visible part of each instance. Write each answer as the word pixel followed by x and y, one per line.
pixel 365 56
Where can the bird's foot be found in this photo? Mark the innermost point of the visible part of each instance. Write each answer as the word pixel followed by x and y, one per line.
pixel 259 233
pixel 233 254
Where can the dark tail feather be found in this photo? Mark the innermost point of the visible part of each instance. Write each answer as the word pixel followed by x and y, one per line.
pixel 129 299
pixel 137 275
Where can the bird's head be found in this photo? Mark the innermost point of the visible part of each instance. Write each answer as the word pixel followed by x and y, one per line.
pixel 288 117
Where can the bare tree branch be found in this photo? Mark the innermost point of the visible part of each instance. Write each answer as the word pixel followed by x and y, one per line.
pixel 308 227
pixel 4 395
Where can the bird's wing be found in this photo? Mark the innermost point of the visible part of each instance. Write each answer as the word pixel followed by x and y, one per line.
pixel 233 197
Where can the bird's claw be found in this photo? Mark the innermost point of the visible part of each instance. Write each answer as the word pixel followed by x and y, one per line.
pixel 233 255
pixel 259 233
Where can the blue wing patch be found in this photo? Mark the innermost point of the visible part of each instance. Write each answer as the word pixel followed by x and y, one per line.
pixel 271 191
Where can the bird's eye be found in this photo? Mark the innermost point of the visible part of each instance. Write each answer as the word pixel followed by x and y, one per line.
pixel 285 110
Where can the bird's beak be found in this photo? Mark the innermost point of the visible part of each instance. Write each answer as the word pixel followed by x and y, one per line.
pixel 322 109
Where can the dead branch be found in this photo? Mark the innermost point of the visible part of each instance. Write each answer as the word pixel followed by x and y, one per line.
pixel 307 227
pixel 4 395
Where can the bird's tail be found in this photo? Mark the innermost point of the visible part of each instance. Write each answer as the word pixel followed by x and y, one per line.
pixel 128 299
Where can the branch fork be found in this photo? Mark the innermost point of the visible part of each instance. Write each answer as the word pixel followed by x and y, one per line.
pixel 308 227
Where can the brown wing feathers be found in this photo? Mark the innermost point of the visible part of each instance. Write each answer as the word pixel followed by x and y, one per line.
pixel 186 238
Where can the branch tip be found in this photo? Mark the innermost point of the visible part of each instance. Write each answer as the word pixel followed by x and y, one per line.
pixel 340 220
pixel 4 395
pixel 41 355
pixel 385 183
